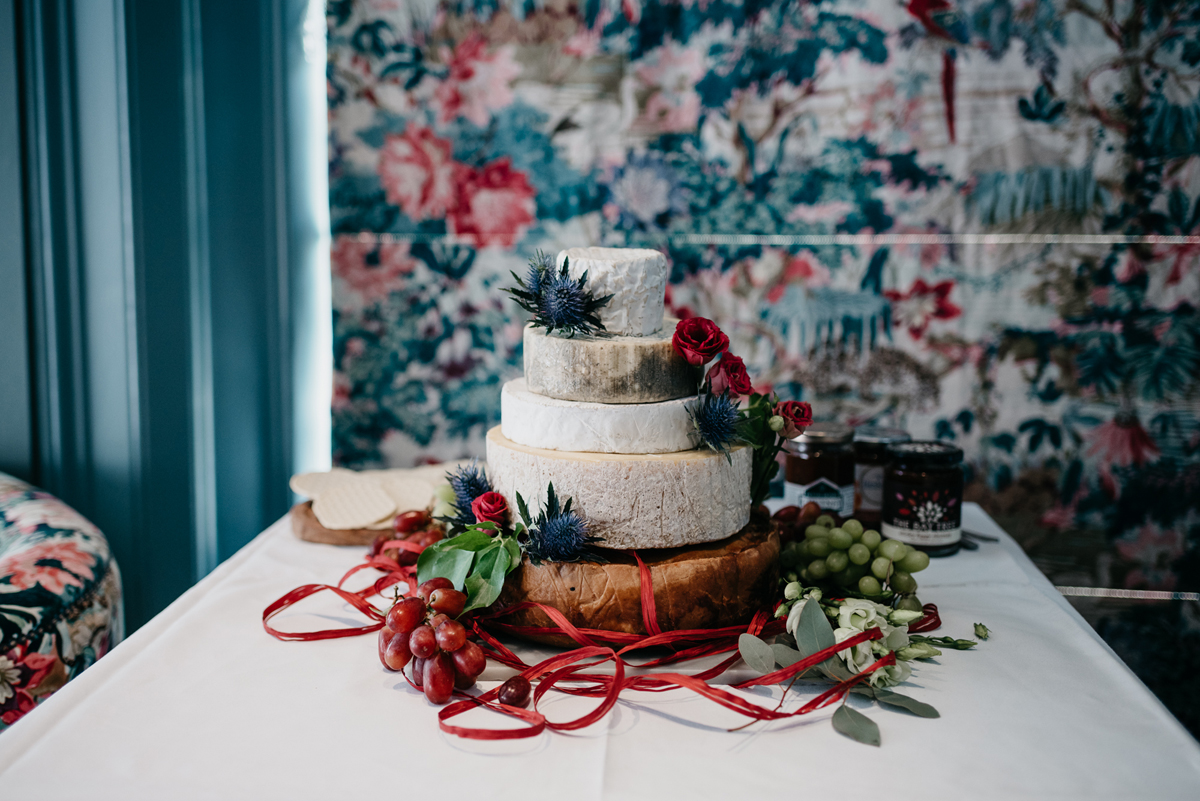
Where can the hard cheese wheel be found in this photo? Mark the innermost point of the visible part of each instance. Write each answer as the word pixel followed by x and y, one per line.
pixel 541 422
pixel 617 369
pixel 631 500
pixel 698 587
pixel 636 279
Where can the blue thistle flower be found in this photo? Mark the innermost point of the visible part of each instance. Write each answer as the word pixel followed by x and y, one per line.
pixel 556 301
pixel 716 418
pixel 558 534
pixel 468 482
pixel 540 266
pixel 562 302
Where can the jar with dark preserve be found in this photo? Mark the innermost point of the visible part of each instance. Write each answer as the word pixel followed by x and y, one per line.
pixel 870 457
pixel 922 496
pixel 820 467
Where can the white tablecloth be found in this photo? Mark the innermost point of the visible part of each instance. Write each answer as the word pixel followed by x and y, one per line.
pixel 202 703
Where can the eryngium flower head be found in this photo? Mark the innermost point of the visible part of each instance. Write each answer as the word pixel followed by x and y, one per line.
pixel 468 482
pixel 716 418
pixel 556 301
pixel 558 534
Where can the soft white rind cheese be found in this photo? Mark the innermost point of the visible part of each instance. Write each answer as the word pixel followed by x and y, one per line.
pixel 636 279
pixel 616 369
pixel 631 500
pixel 563 425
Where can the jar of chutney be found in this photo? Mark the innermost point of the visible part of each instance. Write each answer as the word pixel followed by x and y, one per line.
pixel 922 496
pixel 871 456
pixel 819 467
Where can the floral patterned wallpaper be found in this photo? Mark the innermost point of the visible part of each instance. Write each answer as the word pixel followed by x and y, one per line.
pixel 819 175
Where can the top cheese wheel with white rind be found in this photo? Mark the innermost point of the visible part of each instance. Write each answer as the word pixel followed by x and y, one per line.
pixel 663 500
pixel 608 369
pixel 635 277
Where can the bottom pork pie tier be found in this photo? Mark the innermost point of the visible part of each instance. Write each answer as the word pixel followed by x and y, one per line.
pixel 698 587
pixel 631 500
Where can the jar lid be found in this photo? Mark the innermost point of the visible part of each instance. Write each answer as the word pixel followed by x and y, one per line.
pixel 928 453
pixel 880 435
pixel 825 433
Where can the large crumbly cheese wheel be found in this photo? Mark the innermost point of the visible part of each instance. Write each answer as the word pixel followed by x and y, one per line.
pixel 617 369
pixel 559 425
pixel 631 500
pixel 698 587
pixel 636 278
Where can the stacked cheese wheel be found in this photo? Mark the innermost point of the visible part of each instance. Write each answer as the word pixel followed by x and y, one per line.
pixel 607 420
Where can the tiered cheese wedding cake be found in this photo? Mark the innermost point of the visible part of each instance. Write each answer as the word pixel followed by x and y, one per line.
pixel 607 420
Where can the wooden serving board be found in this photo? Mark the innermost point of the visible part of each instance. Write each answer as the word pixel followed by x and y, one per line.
pixel 306 526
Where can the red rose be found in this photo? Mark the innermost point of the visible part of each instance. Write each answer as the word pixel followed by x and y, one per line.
pixel 698 340
pixel 490 506
pixel 729 374
pixel 796 415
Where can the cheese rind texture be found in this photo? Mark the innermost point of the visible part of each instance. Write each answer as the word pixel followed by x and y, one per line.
pixel 636 278
pixel 561 425
pixel 608 369
pixel 631 500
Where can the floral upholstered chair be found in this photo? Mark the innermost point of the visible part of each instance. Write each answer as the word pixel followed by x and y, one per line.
pixel 60 597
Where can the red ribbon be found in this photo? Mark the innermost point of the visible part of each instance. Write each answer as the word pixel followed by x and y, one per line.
pixel 597 647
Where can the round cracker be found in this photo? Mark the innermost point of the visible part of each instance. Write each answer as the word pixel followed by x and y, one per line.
pixel 353 505
pixel 310 485
pixel 407 493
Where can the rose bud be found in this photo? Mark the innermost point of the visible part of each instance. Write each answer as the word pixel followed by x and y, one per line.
pixel 490 506
pixel 796 415
pixel 729 374
pixel 699 340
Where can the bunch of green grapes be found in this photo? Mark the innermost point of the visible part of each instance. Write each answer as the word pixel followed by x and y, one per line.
pixel 854 559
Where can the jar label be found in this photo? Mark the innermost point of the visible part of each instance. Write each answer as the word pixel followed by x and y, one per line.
pixel 868 481
pixel 829 496
pixel 929 517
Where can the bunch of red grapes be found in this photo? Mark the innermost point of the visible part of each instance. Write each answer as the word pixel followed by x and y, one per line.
pixel 415 527
pixel 422 630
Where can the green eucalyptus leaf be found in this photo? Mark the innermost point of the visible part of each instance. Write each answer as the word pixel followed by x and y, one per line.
pixel 836 669
pixel 813 632
pixel 785 656
pixel 856 726
pixel 756 653
pixel 918 708
pixel 863 689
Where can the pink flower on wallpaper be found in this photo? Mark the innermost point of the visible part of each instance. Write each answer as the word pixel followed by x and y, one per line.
pixel 417 173
pixel 673 71
pixel 49 511
pixel 28 567
pixel 496 204
pixel 1154 551
pixel 478 81
pixel 669 112
pixel 371 269
pixel 1121 442
pixel 921 305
